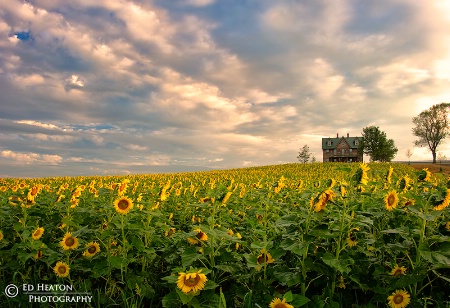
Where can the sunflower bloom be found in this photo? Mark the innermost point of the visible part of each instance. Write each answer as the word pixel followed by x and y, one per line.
pixel 61 269
pixel 69 242
pixel 37 234
pixel 123 205
pixel 447 226
pixel 192 241
pixel 398 271
pixel 1 235
pixel 425 175
pixel 278 303
pixel 405 183
pixel 444 203
pixel 264 258
pixel 201 235
pixel 194 282
pixel 321 203
pixel 391 200
pixel 351 238
pixel 362 176
pixel 170 232
pixel 91 249
pixel 38 255
pixel 399 299
pixel 123 187
pixel 32 193
pixel 389 175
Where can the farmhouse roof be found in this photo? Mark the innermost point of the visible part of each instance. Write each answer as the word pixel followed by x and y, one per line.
pixel 331 143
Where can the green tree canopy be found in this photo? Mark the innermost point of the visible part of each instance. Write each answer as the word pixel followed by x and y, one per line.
pixel 432 127
pixel 375 144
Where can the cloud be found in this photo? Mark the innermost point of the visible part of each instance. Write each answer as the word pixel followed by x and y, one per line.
pixel 175 85
pixel 32 158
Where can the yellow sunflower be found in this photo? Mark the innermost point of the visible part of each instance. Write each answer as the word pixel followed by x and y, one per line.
pixel 389 174
pixel 278 303
pixel 92 249
pixel 1 235
pixel 123 205
pixel 69 242
pixel 37 234
pixel 38 255
pixel 399 299
pixel 201 235
pixel 445 203
pixel 391 200
pixel 447 226
pixel 264 257
pixel 398 271
pixel 61 269
pixel 194 281
pixel 405 183
pixel 192 241
pixel 351 240
pixel 425 175
pixel 324 197
pixel 32 193
pixel 170 232
pixel 362 174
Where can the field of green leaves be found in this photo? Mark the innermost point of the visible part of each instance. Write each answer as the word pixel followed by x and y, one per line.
pixel 312 235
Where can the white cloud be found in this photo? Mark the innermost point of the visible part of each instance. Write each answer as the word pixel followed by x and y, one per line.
pixel 38 124
pixel 31 158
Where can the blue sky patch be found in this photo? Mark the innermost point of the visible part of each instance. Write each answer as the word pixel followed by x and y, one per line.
pixel 23 36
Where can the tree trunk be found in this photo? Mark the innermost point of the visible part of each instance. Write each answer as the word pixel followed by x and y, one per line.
pixel 434 156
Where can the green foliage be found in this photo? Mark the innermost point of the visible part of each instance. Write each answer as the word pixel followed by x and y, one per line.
pixel 265 240
pixel 375 144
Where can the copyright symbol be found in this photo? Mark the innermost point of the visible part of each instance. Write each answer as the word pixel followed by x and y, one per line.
pixel 11 290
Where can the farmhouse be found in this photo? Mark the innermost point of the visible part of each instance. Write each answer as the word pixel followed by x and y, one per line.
pixel 344 149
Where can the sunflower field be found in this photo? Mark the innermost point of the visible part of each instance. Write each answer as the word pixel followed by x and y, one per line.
pixel 294 235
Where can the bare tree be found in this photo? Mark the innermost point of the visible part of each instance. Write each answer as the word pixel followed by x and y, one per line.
pixel 441 157
pixel 432 127
pixel 304 154
pixel 409 153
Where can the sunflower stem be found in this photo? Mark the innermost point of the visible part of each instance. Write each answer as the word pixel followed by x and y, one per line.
pixel 124 251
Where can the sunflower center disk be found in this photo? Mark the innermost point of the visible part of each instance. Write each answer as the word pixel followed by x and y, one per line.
pixel 263 258
pixel 92 249
pixel 391 200
pixel 70 241
pixel 192 282
pixel 123 204
pixel 61 269
pixel 398 299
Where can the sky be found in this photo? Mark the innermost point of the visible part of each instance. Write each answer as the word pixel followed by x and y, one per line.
pixel 106 87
